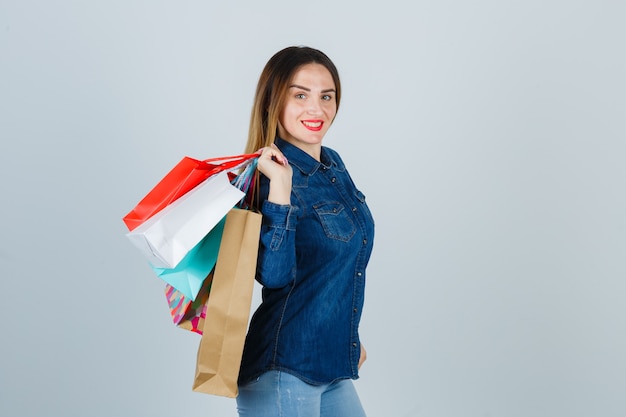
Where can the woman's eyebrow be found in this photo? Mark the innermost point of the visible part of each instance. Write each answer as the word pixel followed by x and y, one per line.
pixel 329 90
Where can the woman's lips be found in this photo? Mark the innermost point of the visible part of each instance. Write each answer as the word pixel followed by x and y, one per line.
pixel 313 125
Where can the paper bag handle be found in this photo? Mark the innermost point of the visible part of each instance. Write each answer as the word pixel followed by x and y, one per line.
pixel 231 162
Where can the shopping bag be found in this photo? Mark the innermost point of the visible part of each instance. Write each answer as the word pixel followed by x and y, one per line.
pixel 186 313
pixel 228 306
pixel 186 175
pixel 190 273
pixel 166 237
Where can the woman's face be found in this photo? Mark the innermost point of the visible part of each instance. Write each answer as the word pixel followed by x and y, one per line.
pixel 310 108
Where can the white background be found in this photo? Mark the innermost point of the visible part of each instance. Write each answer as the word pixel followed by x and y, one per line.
pixel 488 137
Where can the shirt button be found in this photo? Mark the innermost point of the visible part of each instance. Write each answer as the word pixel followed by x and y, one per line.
pixel 354 344
pixel 358 274
pixel 356 310
pixel 365 241
pixel 333 179
pixel 353 208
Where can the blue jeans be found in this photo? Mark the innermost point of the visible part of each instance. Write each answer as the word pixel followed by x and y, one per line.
pixel 280 394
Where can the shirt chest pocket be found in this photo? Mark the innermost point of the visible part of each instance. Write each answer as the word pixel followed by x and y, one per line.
pixel 335 220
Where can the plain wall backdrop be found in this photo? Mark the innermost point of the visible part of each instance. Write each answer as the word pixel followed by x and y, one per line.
pixel 489 139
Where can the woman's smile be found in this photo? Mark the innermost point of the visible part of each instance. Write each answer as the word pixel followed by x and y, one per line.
pixel 314 125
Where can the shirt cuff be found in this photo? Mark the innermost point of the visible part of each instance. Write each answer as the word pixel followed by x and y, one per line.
pixel 282 216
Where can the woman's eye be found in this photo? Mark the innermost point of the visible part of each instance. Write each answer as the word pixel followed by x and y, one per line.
pixel 300 96
pixel 326 97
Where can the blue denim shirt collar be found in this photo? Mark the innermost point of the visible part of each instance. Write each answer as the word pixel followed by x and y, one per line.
pixel 305 162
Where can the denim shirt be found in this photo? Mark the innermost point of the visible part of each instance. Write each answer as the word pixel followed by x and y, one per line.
pixel 312 259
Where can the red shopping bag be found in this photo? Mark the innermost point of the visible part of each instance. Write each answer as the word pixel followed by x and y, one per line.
pixel 186 175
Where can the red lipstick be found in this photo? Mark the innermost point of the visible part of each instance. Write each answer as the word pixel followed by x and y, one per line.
pixel 313 125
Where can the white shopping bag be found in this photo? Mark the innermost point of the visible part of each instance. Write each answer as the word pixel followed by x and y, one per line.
pixel 170 234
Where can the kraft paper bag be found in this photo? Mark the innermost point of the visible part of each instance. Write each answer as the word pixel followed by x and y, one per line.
pixel 228 306
pixel 167 237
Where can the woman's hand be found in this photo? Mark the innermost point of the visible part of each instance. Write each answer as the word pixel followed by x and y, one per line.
pixel 363 356
pixel 273 164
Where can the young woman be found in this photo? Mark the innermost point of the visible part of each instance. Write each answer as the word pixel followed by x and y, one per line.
pixel 302 349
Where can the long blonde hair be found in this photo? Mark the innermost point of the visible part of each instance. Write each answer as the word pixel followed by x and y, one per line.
pixel 272 89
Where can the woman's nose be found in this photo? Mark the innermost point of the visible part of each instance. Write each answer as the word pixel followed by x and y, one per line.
pixel 315 107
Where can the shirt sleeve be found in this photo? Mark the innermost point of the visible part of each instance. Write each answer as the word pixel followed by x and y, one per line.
pixel 276 263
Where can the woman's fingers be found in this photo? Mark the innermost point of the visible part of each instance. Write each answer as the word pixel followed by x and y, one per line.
pixel 273 153
pixel 273 164
pixel 363 356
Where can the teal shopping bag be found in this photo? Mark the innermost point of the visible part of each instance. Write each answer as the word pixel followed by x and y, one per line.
pixel 191 272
